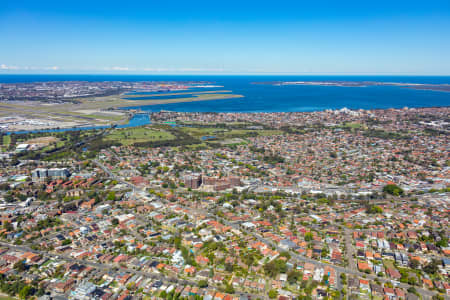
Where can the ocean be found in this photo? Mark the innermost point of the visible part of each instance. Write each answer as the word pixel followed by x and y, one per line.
pixel 270 98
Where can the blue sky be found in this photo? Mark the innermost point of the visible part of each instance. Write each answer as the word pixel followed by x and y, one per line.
pixel 225 37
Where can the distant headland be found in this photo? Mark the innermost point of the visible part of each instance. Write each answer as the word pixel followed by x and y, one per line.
pixel 416 86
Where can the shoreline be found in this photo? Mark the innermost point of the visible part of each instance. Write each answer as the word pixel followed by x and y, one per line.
pixel 148 102
pixel 361 84
pixel 156 95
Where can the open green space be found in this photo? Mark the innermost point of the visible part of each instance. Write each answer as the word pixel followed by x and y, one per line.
pixel 6 140
pixel 105 117
pixel 53 146
pixel 227 133
pixel 129 136
pixel 352 125
pixel 199 132
pixel 251 131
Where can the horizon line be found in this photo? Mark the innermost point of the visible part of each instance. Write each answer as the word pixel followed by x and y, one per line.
pixel 232 74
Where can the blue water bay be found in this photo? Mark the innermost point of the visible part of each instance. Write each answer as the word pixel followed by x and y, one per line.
pixel 272 98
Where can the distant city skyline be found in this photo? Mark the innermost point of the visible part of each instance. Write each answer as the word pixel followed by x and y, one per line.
pixel 236 37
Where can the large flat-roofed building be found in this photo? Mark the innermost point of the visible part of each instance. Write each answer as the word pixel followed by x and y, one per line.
pixel 193 181
pixel 220 184
pixel 42 174
pixel 22 147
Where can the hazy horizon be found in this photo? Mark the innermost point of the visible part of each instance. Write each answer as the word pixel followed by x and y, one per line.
pixel 58 73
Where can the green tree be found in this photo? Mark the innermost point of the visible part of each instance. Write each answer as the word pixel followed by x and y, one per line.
pixel 443 242
pixel 414 264
pixel 431 268
pixel 273 294
pixel 293 276
pixel 66 242
pixel 25 292
pixel 203 283
pixel 111 196
pixel 20 266
pixel 374 209
pixel 393 189
pixel 8 226
pixel 275 267
pixel 229 289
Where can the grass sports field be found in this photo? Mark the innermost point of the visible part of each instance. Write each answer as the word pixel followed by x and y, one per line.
pixel 128 136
